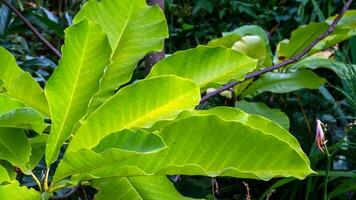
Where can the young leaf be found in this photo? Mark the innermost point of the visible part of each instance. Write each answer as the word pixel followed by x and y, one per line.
pixel 147 188
pixel 285 82
pixel 86 54
pixel 15 147
pixel 15 191
pixel 134 29
pixel 262 109
pixel 14 114
pixel 204 145
pixel 137 105
pixel 230 38
pixel 20 84
pixel 206 65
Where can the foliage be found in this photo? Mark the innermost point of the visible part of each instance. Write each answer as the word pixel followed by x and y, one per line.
pixel 96 124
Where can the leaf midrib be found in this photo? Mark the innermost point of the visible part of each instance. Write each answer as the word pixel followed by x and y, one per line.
pixel 73 91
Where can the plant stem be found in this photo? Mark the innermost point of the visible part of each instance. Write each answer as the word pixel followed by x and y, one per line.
pixel 45 182
pixel 38 182
pixel 33 29
pixel 286 62
pixel 328 165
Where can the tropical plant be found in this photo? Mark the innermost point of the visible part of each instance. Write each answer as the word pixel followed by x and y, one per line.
pixel 109 132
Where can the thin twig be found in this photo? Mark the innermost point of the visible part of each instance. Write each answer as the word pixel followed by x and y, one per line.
pixel 33 29
pixel 286 62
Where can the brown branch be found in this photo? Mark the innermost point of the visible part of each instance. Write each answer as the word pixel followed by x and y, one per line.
pixel 286 62
pixel 153 58
pixel 33 29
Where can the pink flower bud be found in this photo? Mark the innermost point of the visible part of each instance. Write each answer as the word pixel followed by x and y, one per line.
pixel 320 136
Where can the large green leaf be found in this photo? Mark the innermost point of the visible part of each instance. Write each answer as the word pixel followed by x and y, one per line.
pixel 204 145
pixel 133 28
pixel 116 146
pixel 262 109
pixel 14 191
pixel 206 65
pixel 138 105
pixel 137 188
pixel 285 82
pixel 20 84
pixel 15 147
pixel 315 62
pixel 304 35
pixel 300 39
pixel 15 114
pixel 86 54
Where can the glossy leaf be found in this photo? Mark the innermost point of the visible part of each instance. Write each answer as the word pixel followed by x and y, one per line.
pixel 262 109
pixel 4 176
pixel 111 149
pixel 315 62
pixel 285 82
pixel 137 105
pixel 14 191
pixel 304 35
pixel 133 28
pixel 206 65
pixel 38 147
pixel 20 84
pixel 131 140
pixel 137 188
pixel 207 145
pixel 15 147
pixel 300 39
pixel 86 54
pixel 14 114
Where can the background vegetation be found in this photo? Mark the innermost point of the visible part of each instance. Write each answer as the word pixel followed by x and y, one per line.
pixel 194 22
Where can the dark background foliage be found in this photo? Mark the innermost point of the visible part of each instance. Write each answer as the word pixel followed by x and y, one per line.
pixel 194 22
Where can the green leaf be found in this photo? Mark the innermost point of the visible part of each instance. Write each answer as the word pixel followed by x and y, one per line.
pixel 208 145
pixel 304 35
pixel 14 114
pixel 4 176
pixel 230 38
pixel 133 28
pixel 14 191
pixel 20 84
pixel 300 39
pixel 130 140
pixel 137 105
pixel 262 109
pixel 70 89
pixel 252 46
pixel 315 62
pixel 137 188
pixel 206 65
pixel 114 147
pixel 38 147
pixel 285 82
pixel 15 147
